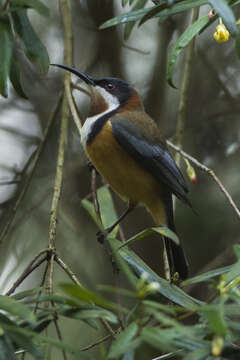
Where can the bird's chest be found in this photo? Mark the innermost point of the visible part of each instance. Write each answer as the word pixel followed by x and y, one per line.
pixel 119 169
pixel 103 149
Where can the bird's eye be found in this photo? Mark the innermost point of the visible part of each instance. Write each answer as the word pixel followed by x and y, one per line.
pixel 110 86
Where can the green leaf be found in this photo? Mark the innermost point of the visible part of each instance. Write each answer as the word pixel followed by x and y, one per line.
pixel 34 49
pixel 19 334
pixel 124 341
pixel 129 26
pixel 225 12
pixel 163 15
pixel 154 11
pixel 166 289
pixel 124 3
pixel 88 206
pixel 17 309
pixel 81 293
pixel 124 18
pixel 27 293
pixel 107 209
pixel 15 77
pixel 95 313
pixel 208 275
pixel 215 317
pixel 178 7
pixel 200 354
pixel 181 43
pixel 171 338
pixel 123 265
pixel 35 4
pixel 6 47
pixel 162 230
pixel 6 348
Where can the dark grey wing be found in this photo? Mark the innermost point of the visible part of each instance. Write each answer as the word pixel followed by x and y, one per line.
pixel 153 157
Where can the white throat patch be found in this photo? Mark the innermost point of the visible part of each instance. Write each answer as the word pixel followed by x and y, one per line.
pixel 111 101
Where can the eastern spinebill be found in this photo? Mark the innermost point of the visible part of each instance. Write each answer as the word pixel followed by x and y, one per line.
pixel 128 150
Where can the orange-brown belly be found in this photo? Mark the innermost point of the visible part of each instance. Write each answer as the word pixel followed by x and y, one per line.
pixel 123 173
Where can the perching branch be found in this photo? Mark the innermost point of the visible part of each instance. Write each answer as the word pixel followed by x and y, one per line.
pixel 209 171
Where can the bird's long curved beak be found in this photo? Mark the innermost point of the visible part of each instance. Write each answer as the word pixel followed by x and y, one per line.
pixel 84 77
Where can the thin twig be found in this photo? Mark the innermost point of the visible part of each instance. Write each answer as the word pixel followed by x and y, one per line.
pixel 29 268
pixel 100 341
pixel 209 171
pixel 80 88
pixel 58 331
pixel 72 106
pixel 67 270
pixel 68 50
pixel 94 193
pixel 30 176
pixel 185 87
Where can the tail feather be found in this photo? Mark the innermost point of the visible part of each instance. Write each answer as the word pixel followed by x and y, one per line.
pixel 162 212
pixel 176 257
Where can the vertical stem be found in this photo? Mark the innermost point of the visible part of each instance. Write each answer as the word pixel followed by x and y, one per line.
pixel 185 89
pixel 68 51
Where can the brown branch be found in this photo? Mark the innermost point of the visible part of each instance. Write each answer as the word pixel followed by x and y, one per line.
pixel 210 172
pixel 94 193
pixel 185 86
pixel 80 88
pixel 28 270
pixel 67 270
pixel 100 341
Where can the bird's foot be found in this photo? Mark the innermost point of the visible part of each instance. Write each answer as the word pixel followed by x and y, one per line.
pixel 101 236
pixel 91 167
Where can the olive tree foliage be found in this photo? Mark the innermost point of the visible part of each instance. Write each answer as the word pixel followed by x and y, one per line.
pixel 64 294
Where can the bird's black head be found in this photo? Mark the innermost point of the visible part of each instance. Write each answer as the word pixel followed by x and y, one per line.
pixel 116 88
pixel 108 93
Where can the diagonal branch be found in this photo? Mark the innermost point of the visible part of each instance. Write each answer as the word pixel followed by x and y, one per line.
pixel 210 172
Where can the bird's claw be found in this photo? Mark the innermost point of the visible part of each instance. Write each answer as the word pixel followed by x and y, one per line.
pixel 100 236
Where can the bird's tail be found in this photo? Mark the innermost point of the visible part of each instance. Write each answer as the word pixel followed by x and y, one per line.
pixel 162 212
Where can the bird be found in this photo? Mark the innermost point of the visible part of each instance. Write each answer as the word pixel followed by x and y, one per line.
pixel 127 148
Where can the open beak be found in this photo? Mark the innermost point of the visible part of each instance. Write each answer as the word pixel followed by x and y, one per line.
pixel 87 79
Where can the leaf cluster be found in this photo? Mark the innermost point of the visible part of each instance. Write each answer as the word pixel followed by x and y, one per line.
pixel 14 21
pixel 164 10
pixel 155 316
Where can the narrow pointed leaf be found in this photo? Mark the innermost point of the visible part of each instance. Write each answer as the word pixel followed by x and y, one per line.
pixel 166 289
pixel 6 47
pixel 33 47
pixel 19 333
pixel 122 264
pixel 16 308
pixel 162 15
pixel 124 3
pixel 225 12
pixel 208 275
pixel 129 26
pixel 34 4
pixel 215 317
pixel 124 341
pixel 162 230
pixel 124 18
pixel 6 348
pixel 181 43
pixel 81 293
pixel 154 11
pixel 15 78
